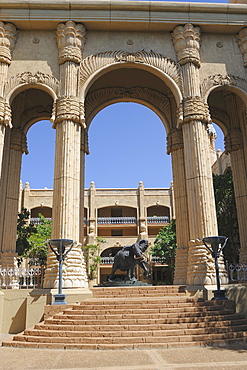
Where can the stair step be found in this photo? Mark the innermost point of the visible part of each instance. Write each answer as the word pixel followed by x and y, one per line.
pixel 141 327
pixel 157 332
pixel 137 317
pixel 219 342
pixel 131 339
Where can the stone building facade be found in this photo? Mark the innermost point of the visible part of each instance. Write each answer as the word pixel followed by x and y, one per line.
pixel 119 216
pixel 66 60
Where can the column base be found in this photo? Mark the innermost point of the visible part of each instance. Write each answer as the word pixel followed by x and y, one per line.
pixel 219 295
pixel 59 299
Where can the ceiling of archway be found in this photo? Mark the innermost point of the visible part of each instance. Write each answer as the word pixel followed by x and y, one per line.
pixel 31 106
pixel 130 84
pixel 221 111
pixel 130 77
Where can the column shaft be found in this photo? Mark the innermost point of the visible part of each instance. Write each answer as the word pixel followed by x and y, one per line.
pixel 181 209
pixel 240 190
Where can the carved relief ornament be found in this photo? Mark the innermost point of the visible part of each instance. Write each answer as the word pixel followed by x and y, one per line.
pixel 71 38
pixel 5 113
pixel 233 140
pixel 93 63
pixel 101 96
pixel 8 37
pixel 68 108
pixel 30 78
pixel 186 40
pixel 242 43
pixel 220 80
pixel 84 141
pixel 18 140
pixel 174 140
pixel 195 109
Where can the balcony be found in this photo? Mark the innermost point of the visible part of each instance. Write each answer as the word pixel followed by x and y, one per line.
pixel 37 220
pixel 116 220
pixel 158 220
pixel 108 260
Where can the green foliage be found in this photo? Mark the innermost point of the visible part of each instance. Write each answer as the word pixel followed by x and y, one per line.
pixel 92 258
pixel 165 244
pixel 226 212
pixel 39 242
pixel 32 240
pixel 24 231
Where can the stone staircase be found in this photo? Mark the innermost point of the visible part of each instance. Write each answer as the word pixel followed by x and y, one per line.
pixel 137 317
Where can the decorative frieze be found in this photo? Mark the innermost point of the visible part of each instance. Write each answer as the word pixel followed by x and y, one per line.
pixel 195 109
pixel 101 96
pixel 233 140
pixel 8 37
pixel 96 62
pixel 71 38
pixel 242 43
pixel 84 141
pixel 220 80
pixel 18 140
pixel 32 78
pixel 186 40
pixel 5 113
pixel 174 140
pixel 68 108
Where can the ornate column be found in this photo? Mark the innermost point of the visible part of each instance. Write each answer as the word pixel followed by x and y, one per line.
pixel 91 239
pixel 8 36
pixel 234 146
pixel 85 150
pixel 176 148
pixel 68 123
pixel 143 230
pixel 198 175
pixel 18 146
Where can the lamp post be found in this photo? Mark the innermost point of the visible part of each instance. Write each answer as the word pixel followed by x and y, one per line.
pixel 60 245
pixel 215 250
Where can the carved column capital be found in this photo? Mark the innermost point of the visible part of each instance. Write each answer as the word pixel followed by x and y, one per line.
pixel 18 140
pixel 195 109
pixel 68 108
pixel 186 40
pixel 174 140
pixel 71 38
pixel 242 43
pixel 5 113
pixel 233 140
pixel 8 37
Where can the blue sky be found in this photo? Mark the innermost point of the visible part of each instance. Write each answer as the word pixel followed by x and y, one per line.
pixel 127 143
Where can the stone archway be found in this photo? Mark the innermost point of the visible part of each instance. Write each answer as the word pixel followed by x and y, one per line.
pixel 229 109
pixel 175 53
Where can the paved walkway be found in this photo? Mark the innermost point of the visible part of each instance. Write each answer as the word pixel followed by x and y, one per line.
pixel 231 357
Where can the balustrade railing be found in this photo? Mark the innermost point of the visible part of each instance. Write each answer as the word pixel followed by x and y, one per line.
pixel 237 273
pixel 106 260
pixel 158 219
pixel 19 278
pixel 37 220
pixel 109 260
pixel 159 260
pixel 116 220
